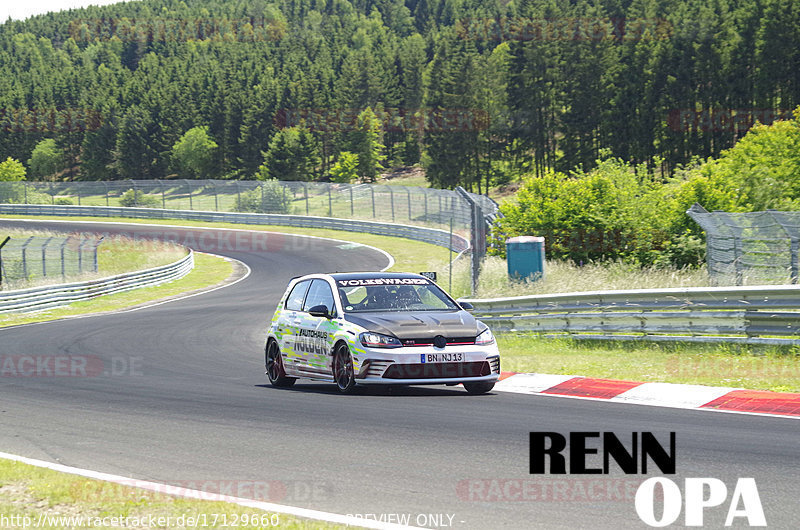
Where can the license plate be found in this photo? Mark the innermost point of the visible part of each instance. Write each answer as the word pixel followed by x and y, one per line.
pixel 442 357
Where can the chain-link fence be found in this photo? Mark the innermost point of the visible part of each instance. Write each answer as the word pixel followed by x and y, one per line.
pixel 27 259
pixel 400 204
pixel 467 214
pixel 751 248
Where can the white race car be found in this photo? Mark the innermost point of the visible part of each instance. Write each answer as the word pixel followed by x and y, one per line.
pixel 378 328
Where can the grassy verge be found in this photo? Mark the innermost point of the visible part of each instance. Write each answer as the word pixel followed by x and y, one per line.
pixel 50 497
pixel 209 270
pixel 764 368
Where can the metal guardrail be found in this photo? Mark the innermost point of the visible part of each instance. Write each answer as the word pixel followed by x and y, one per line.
pixel 38 298
pixel 754 314
pixel 435 236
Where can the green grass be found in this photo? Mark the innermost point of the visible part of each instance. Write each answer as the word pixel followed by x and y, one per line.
pixel 209 270
pixel 33 492
pixel 765 368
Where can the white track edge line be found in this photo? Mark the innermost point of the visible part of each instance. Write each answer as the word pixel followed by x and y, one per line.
pixel 200 495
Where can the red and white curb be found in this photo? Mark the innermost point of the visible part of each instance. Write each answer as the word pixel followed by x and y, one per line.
pixel 721 399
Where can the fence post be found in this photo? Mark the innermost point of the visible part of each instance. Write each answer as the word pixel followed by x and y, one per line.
pixel 163 199
pixel 477 235
pixel 44 256
pixel 25 258
pixel 52 195
pixel 79 194
pixel 135 193
pixel 352 206
pixel 305 190
pixel 737 261
pixel 450 246
pixel 80 256
pixel 372 191
pixel 408 192
pixel 105 185
pixel 25 185
pixel 391 200
pixel 238 196
pixel 330 202
pixel 795 245
pixel 96 245
pixel 63 258
pixel 2 269
pixel 216 195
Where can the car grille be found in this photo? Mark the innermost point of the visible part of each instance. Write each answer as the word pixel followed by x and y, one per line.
pixel 451 341
pixel 437 370
pixel 374 368
pixel 495 364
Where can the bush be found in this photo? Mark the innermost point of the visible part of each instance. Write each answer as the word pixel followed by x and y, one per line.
pixel 269 197
pixel 139 199
pixel 63 201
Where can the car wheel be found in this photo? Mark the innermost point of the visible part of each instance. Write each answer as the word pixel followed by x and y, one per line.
pixel 274 366
pixel 343 374
pixel 478 388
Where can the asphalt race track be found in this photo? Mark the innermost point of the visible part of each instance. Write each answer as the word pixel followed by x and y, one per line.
pixel 178 394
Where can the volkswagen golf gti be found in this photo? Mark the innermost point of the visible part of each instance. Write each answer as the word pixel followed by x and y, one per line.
pixel 378 328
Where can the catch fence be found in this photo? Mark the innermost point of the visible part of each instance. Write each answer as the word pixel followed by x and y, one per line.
pixel 750 248
pixel 26 259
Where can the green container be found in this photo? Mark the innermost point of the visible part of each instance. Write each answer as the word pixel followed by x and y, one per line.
pixel 525 257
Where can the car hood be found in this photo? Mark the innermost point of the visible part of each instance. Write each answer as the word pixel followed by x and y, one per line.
pixel 417 324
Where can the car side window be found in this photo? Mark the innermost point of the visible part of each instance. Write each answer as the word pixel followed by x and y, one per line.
pixel 294 302
pixel 320 294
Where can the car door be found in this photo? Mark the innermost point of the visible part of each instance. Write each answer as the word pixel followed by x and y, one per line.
pixel 288 326
pixel 317 333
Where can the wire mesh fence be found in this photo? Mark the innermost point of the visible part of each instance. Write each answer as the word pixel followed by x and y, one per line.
pixel 399 204
pixel 459 211
pixel 27 259
pixel 750 248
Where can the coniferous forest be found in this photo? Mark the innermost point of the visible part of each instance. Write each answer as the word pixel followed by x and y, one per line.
pixel 477 92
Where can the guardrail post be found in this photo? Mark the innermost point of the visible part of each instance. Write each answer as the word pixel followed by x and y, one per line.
pixel 2 269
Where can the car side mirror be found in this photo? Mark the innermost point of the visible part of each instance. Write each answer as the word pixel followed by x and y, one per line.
pixel 466 306
pixel 319 311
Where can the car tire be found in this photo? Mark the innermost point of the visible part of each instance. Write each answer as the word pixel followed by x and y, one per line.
pixel 478 388
pixel 342 367
pixel 273 362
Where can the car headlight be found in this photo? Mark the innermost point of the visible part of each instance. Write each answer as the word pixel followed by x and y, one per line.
pixel 376 340
pixel 485 337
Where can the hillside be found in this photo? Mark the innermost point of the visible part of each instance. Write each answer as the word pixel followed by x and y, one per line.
pixel 479 92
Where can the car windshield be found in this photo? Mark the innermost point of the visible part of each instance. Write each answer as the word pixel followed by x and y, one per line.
pixel 357 297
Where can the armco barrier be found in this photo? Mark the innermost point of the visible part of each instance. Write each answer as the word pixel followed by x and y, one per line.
pixel 38 298
pixel 434 236
pixel 754 314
